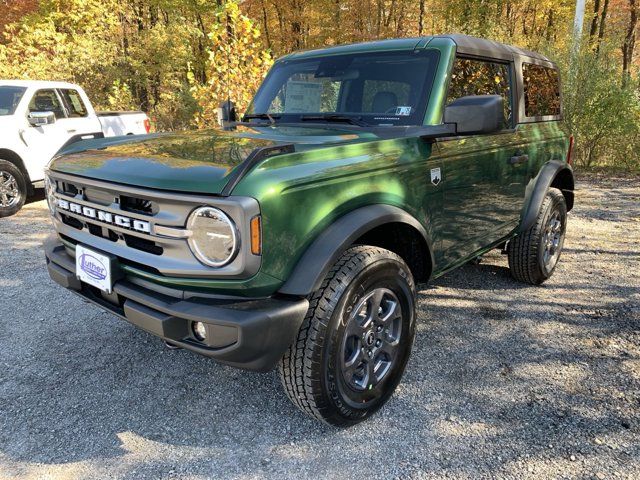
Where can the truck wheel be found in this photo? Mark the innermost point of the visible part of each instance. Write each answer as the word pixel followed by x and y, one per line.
pixel 355 340
pixel 13 189
pixel 534 254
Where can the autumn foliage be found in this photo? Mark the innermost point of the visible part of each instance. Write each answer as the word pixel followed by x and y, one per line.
pixel 178 60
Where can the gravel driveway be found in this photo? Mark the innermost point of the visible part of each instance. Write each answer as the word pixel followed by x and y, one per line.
pixel 506 380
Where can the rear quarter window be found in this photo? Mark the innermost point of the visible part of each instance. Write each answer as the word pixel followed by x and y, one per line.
pixel 541 90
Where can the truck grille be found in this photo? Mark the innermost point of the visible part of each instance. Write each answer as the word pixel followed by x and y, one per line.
pixel 137 205
pixel 145 227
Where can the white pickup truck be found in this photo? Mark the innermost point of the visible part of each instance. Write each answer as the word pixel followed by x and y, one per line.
pixel 37 119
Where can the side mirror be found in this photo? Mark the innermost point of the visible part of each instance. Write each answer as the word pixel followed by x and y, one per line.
pixel 38 119
pixel 227 114
pixel 476 114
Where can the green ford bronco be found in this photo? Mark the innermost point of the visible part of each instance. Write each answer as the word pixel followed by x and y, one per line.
pixel 294 236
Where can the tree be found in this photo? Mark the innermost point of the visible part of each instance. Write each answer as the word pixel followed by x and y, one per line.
pixel 14 11
pixel 237 63
pixel 629 43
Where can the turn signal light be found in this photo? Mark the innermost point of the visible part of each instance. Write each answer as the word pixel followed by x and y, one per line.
pixel 256 235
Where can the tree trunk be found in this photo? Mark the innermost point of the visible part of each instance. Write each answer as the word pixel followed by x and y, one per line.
pixel 421 18
pixel 550 26
pixel 594 22
pixel 337 22
pixel 629 42
pixel 265 24
pixel 603 20
pixel 201 72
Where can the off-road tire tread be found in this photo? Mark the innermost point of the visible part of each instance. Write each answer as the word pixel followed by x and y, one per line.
pixel 301 360
pixel 523 249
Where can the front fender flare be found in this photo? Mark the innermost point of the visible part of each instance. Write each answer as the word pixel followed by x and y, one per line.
pixel 537 190
pixel 326 249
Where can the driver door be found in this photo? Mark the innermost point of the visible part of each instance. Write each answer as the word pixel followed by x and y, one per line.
pixel 483 176
pixel 44 141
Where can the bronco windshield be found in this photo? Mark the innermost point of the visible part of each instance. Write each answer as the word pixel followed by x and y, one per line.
pixel 381 88
pixel 9 99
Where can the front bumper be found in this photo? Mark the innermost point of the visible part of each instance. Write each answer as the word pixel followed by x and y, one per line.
pixel 249 334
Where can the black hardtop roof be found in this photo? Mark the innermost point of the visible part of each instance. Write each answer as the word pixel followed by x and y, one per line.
pixel 482 47
pixel 465 45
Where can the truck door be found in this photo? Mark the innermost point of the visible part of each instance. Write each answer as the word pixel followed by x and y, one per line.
pixel 81 122
pixel 483 176
pixel 44 141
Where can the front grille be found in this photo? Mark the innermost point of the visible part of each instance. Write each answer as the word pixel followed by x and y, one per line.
pixel 123 261
pixel 98 231
pixel 143 244
pixel 67 239
pixel 69 189
pixel 138 205
pixel 145 228
pixel 72 222
pixel 95 230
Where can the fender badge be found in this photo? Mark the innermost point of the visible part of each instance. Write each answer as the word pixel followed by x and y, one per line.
pixel 436 177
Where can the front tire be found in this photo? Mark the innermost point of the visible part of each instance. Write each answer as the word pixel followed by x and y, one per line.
pixel 13 189
pixel 534 254
pixel 356 338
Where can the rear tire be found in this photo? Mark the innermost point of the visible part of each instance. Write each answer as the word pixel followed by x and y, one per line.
pixel 534 254
pixel 355 340
pixel 13 189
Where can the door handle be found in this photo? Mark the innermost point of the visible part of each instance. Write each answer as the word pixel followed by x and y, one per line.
pixel 71 131
pixel 21 133
pixel 518 159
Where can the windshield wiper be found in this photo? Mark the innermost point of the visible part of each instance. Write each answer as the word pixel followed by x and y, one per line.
pixel 262 116
pixel 332 117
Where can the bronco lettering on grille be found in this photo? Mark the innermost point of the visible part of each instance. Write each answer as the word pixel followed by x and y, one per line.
pixel 105 217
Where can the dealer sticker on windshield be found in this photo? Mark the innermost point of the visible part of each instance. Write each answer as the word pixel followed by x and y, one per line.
pixel 403 111
pixel 93 268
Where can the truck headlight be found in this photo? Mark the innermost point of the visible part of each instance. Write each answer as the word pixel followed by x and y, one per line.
pixel 214 238
pixel 50 190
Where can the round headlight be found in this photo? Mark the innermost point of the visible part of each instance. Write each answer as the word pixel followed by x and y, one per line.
pixel 50 190
pixel 213 239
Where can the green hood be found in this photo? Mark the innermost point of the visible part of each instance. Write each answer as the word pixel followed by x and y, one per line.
pixel 199 162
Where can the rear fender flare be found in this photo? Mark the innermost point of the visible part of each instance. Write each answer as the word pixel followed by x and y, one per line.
pixel 538 188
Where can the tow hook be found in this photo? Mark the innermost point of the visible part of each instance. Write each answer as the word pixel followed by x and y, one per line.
pixel 171 346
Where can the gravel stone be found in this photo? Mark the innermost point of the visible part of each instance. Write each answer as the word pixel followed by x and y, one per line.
pixel 506 380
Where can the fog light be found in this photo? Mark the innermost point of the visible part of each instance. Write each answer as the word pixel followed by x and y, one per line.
pixel 199 330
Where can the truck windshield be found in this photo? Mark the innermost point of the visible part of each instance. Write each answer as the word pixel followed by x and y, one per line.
pixel 381 88
pixel 9 99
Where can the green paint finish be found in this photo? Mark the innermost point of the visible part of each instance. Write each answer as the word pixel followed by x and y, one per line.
pixel 483 191
pixel 334 170
pixel 435 107
pixel 301 194
pixel 479 200
pixel 197 162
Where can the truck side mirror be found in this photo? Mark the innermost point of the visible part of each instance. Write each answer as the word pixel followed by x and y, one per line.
pixel 227 114
pixel 38 119
pixel 476 114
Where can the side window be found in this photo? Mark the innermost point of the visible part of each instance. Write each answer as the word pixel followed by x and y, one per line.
pixel 541 90
pixel 384 96
pixel 478 77
pixel 47 101
pixel 73 101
